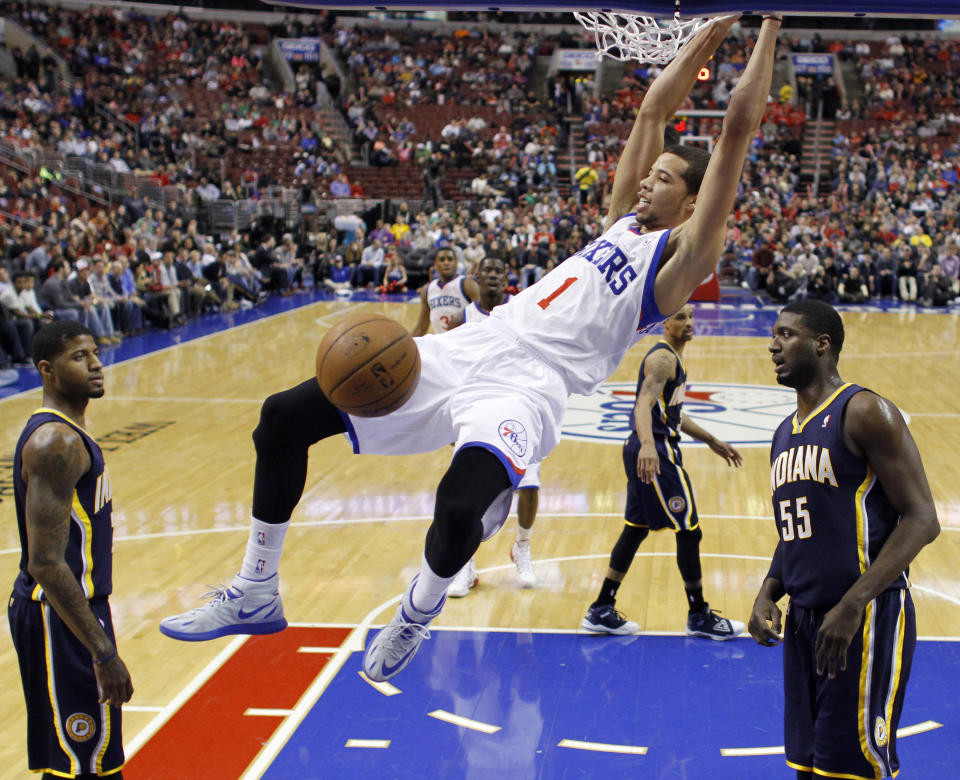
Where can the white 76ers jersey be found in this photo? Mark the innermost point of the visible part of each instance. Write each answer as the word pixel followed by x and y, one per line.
pixel 587 312
pixel 447 303
pixel 473 312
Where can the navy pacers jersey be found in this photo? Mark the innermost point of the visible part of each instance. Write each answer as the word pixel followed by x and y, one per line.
pixel 89 551
pixel 669 407
pixel 832 514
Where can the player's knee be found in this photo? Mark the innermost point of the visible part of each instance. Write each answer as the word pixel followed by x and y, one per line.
pixel 626 547
pixel 301 415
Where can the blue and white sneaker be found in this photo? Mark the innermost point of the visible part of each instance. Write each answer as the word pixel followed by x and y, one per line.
pixel 246 607
pixel 604 619
pixel 709 624
pixel 398 641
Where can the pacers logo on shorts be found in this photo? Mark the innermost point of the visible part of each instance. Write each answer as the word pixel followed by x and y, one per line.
pixel 677 504
pixel 81 727
pixel 514 435
pixel 880 732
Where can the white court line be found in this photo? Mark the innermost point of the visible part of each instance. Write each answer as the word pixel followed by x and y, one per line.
pixel 185 693
pixel 603 747
pixel 387 689
pixel 777 750
pixel 330 650
pixel 367 743
pixel 467 723
pixel 303 706
pixel 267 712
pixel 141 708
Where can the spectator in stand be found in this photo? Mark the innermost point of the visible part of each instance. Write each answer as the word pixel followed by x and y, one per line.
pixel 56 297
pixel 369 269
pixel 938 291
pixel 394 275
pixel 22 307
pixel 853 287
pixel 78 283
pixel 886 269
pixel 782 284
pixel 103 291
pixel 339 279
pixel 133 308
pixel 270 268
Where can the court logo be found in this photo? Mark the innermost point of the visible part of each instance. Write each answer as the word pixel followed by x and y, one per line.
pixel 880 732
pixel 514 435
pixel 677 504
pixel 81 727
pixel 743 415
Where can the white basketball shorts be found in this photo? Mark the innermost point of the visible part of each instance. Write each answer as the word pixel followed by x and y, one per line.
pixel 479 386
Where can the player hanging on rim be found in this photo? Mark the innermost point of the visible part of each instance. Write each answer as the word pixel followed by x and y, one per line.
pixel 659 495
pixel 499 388
pixel 492 279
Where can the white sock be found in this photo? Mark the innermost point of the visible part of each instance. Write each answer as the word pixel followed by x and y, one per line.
pixel 523 534
pixel 429 589
pixel 264 548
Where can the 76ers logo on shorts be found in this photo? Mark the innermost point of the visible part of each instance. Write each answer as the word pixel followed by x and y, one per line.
pixel 514 435
pixel 81 727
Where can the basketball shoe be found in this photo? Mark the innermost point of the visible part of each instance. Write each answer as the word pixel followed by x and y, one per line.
pixel 466 579
pixel 604 619
pixel 520 555
pixel 246 607
pixel 398 641
pixel 709 624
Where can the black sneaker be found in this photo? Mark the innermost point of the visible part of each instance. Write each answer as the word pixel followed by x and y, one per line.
pixel 604 619
pixel 709 624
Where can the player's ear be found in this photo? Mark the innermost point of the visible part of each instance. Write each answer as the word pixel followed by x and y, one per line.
pixel 823 344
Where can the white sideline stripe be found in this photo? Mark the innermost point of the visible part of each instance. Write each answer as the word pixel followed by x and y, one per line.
pixel 306 702
pixel 368 743
pixel 266 712
pixel 185 693
pixel 905 731
pixel 603 747
pixel 387 689
pixel 918 728
pixel 330 650
pixel 467 723
pixel 141 708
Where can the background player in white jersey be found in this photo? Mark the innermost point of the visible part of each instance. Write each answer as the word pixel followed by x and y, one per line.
pixel 499 388
pixel 492 280
pixel 444 298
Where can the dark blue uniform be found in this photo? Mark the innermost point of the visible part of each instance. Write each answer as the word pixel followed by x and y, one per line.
pixel 68 731
pixel 833 518
pixel 668 502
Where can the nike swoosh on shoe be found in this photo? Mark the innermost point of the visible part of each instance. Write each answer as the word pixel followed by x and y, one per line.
pixel 244 615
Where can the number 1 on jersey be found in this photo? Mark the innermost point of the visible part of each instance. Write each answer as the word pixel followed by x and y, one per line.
pixel 544 302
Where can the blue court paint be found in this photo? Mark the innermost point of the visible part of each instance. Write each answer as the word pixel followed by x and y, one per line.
pixel 683 699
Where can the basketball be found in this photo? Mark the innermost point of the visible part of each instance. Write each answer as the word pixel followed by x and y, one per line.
pixel 368 365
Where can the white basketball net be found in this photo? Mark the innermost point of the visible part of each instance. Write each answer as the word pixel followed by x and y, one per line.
pixel 631 37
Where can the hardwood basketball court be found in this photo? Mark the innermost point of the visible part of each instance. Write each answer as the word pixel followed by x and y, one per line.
pixel 175 425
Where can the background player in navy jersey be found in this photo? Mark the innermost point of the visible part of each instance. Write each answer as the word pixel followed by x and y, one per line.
pixel 444 298
pixel 499 389
pixel 853 509
pixel 659 495
pixel 492 282
pixel 73 680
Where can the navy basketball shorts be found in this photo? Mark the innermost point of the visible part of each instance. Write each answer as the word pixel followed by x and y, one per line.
pixel 847 726
pixel 668 502
pixel 69 732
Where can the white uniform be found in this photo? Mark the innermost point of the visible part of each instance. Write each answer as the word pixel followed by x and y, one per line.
pixel 502 384
pixel 473 313
pixel 447 303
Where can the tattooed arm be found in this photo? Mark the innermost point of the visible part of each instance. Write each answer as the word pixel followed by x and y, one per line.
pixel 54 459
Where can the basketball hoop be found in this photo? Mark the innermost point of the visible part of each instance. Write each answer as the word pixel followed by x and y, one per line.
pixel 626 37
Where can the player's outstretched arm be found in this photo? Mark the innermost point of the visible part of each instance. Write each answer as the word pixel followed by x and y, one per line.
pixel 729 453
pixel 696 245
pixel 875 430
pixel 661 102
